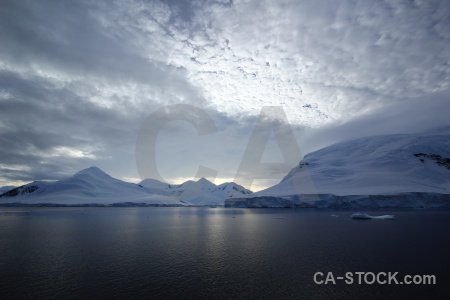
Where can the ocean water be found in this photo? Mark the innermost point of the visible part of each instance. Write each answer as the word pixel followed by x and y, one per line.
pixel 217 253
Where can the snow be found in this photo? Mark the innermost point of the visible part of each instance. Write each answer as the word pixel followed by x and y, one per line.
pixel 156 187
pixel 384 217
pixel 379 171
pixel 371 166
pixel 201 192
pixel 92 186
pixel 6 188
pixel 87 187
pixel 375 172
pixel 363 216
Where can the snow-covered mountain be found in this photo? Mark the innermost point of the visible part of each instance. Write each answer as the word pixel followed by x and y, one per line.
pixel 373 171
pixel 201 192
pixel 380 171
pixel 6 188
pixel 89 186
pixel 92 186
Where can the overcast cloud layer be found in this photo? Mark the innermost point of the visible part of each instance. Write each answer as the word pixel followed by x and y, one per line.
pixel 78 78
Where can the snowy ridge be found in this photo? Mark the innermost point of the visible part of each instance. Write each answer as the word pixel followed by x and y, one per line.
pixel 92 186
pixel 374 172
pixel 201 192
pixel 6 188
pixel 87 187
pixel 380 171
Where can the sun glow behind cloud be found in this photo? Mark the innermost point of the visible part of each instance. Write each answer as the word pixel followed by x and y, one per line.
pixel 73 152
pixel 324 62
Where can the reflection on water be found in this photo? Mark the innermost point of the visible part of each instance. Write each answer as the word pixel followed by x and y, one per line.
pixel 13 212
pixel 214 253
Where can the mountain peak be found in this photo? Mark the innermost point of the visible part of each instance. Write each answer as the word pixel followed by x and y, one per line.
pixel 384 164
pixel 91 171
pixel 203 180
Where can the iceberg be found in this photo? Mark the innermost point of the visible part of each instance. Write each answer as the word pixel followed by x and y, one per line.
pixel 384 217
pixel 363 216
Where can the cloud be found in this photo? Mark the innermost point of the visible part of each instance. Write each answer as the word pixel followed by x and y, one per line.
pixel 325 61
pixel 77 79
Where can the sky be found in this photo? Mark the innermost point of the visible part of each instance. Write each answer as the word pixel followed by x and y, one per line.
pixel 79 79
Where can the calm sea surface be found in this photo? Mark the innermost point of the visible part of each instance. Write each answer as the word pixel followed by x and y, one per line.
pixel 216 253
